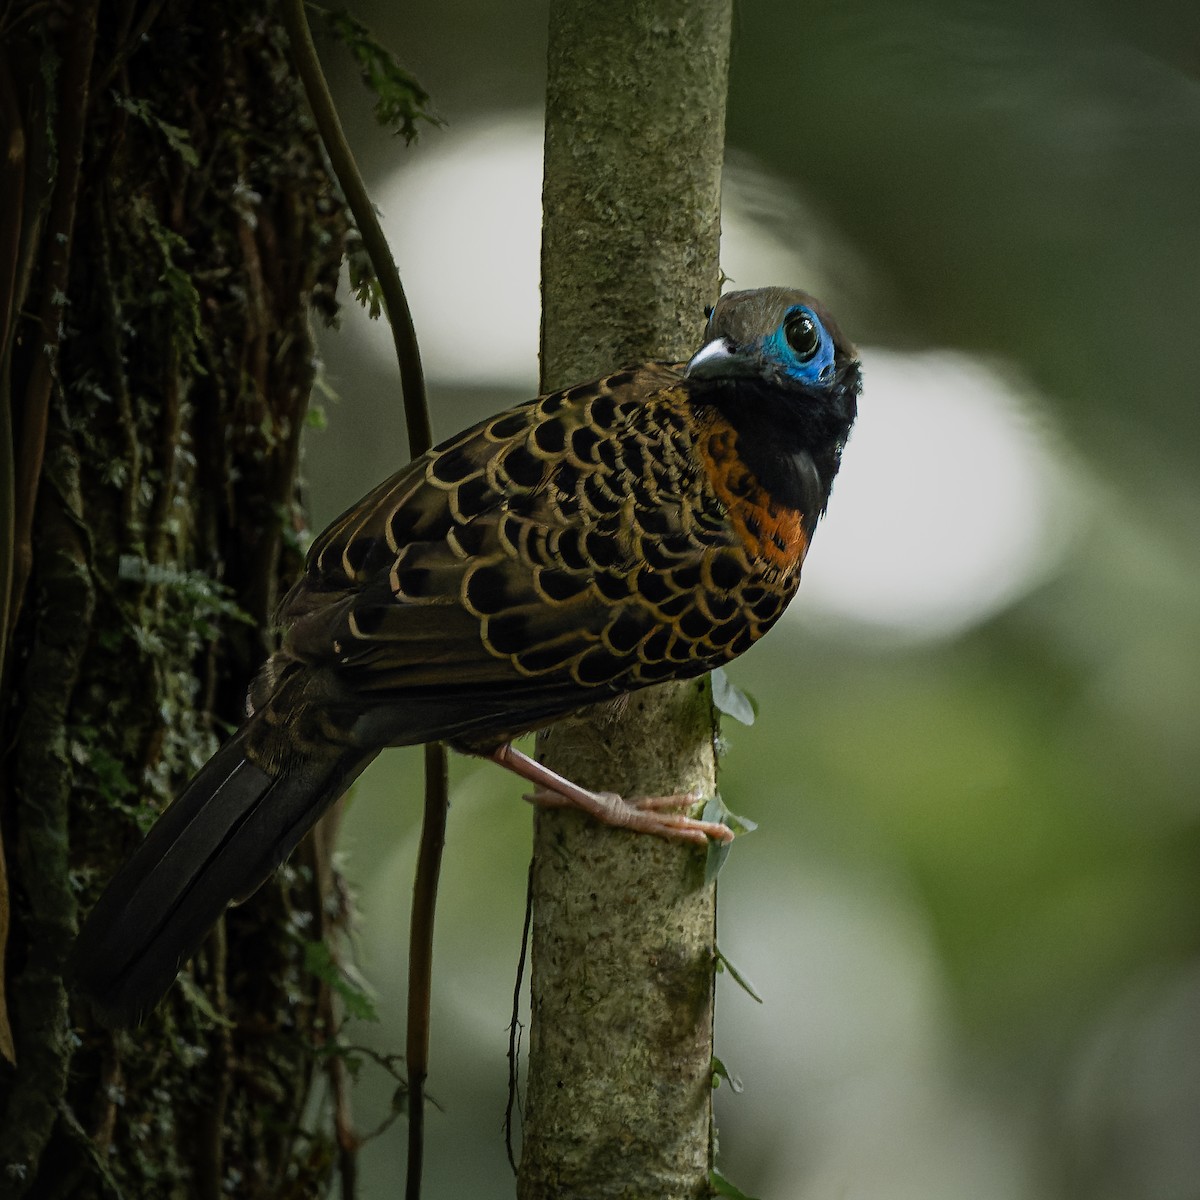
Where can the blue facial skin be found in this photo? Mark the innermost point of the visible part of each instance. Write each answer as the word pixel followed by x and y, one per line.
pixel 816 370
pixel 812 366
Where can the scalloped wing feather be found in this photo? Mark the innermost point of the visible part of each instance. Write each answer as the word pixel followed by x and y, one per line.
pixel 566 550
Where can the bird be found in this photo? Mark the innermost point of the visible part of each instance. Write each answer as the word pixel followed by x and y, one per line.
pixel 648 526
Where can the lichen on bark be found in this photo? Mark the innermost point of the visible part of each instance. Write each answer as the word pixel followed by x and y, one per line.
pixel 619 1089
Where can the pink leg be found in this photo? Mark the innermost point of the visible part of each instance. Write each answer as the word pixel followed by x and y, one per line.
pixel 643 816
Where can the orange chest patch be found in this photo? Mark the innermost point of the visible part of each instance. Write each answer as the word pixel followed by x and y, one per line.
pixel 770 531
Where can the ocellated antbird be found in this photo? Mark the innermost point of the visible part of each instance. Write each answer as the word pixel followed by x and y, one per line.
pixel 648 526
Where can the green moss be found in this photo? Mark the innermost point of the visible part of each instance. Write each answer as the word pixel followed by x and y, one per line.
pixel 205 232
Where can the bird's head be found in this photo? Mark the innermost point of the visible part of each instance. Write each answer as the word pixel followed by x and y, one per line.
pixel 778 368
pixel 785 339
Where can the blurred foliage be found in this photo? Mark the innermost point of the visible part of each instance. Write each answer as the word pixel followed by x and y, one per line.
pixel 400 101
pixel 1022 179
pixel 971 907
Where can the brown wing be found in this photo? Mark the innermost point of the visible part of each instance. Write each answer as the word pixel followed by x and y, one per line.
pixel 566 550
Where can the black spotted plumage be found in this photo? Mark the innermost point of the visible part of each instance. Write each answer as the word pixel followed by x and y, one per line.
pixel 643 527
pixel 521 610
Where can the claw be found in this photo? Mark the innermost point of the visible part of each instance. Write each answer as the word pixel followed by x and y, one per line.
pixel 641 815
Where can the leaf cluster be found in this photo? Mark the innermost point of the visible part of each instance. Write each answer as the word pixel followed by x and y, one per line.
pixel 400 100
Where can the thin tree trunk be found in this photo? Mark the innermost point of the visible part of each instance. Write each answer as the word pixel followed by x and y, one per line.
pixel 173 226
pixel 619 1090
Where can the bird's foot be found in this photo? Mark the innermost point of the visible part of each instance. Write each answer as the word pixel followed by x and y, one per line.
pixel 644 815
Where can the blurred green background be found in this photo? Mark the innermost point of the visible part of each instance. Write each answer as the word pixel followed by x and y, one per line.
pixel 971 907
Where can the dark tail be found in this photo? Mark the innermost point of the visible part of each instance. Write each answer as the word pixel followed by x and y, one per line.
pixel 232 826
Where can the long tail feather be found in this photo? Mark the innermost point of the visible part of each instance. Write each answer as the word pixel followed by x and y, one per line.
pixel 224 835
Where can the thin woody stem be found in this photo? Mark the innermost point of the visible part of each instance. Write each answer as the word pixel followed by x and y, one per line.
pixel 341 158
pixel 420 438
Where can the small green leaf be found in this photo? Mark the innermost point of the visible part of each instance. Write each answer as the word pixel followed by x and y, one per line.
pixel 723 964
pixel 175 137
pixel 363 282
pixel 319 960
pixel 720 1071
pixel 400 101
pixel 715 809
pixel 731 700
pixel 722 1187
pixel 714 859
pixel 717 852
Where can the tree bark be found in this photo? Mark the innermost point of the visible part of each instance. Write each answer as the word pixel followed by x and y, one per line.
pixel 619 1089
pixel 173 227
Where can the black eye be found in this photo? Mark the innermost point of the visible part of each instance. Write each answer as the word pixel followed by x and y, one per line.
pixel 708 311
pixel 803 335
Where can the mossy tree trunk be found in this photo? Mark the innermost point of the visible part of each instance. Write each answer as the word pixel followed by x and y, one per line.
pixel 619 1092
pixel 167 227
